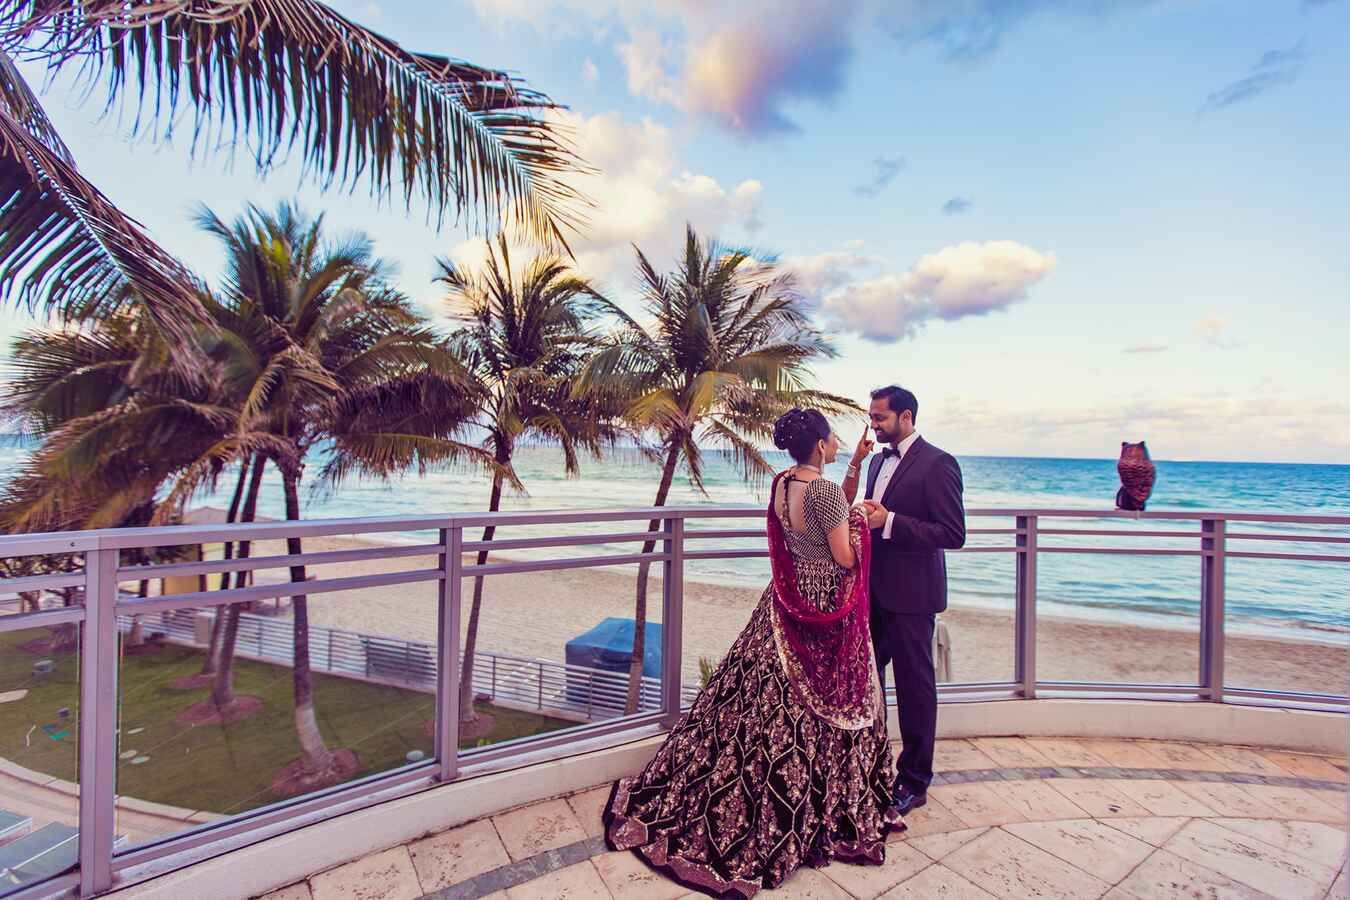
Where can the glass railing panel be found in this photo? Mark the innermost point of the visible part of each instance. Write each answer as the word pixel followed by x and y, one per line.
pixel 39 747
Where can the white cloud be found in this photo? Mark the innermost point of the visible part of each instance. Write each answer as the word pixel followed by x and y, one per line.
pixel 730 63
pixel 1214 330
pixel 968 279
pixel 643 195
pixel 589 71
pixel 1198 425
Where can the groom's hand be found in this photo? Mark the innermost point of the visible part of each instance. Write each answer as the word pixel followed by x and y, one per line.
pixel 876 514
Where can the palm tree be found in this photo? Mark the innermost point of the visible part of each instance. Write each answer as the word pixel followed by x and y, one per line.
pixel 332 352
pixel 272 75
pixel 727 350
pixel 523 339
pixel 115 429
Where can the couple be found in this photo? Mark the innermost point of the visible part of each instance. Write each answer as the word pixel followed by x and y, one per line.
pixel 783 759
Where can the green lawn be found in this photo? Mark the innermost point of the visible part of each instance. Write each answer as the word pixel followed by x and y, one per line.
pixel 222 768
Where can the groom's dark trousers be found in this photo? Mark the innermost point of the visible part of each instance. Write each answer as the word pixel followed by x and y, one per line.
pixel 909 588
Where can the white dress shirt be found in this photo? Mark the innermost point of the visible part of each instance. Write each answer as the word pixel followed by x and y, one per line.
pixel 888 467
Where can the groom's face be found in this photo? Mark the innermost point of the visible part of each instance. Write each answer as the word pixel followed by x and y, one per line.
pixel 890 426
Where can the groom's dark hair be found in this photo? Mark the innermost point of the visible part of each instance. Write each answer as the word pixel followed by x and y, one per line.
pixel 899 400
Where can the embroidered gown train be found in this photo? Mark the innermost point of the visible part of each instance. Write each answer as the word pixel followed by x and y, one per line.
pixel 783 759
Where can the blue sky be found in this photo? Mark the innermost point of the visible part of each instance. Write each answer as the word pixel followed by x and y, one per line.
pixel 1063 224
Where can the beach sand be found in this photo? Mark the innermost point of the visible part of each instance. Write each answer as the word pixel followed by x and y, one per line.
pixel 535 614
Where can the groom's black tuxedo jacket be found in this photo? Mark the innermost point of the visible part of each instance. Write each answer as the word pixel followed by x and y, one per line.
pixel 909 571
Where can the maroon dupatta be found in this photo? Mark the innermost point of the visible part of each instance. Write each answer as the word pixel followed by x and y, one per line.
pixel 827 653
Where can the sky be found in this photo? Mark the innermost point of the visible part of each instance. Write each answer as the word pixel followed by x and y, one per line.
pixel 1062 223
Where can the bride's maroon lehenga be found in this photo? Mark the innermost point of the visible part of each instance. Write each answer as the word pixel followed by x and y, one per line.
pixel 783 758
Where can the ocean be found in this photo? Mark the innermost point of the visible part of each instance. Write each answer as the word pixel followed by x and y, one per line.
pixel 1263 596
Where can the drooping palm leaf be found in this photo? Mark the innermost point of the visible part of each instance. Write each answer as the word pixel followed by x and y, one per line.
pixel 294 75
pixel 17 97
pixel 66 249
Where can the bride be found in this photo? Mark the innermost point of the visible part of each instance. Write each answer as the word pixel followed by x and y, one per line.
pixel 783 759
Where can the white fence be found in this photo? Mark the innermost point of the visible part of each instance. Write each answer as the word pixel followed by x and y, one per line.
pixel 543 685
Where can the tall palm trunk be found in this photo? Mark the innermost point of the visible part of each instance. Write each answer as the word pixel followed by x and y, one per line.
pixel 466 710
pixel 316 755
pixel 212 660
pixel 222 689
pixel 644 570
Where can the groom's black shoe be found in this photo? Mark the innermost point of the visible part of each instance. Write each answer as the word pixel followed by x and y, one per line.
pixel 906 801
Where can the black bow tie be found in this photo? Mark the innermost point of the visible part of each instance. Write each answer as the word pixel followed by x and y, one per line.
pixel 888 452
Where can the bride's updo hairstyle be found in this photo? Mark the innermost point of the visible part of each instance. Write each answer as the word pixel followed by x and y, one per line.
pixel 798 430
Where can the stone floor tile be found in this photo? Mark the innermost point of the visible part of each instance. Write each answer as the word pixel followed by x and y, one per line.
pixel 959 755
pixel 1185 756
pixel 1241 759
pixel 457 855
pixel 297 891
pixel 1008 866
pixel 975 804
pixel 1341 889
pixel 1165 875
pixel 575 882
pixel 1161 798
pixel 902 862
pixel 807 884
pixel 1296 803
pixel 932 818
pixel 1068 752
pixel 937 846
pixel 1224 799
pixel 1098 799
pixel 588 806
pixel 1126 754
pixel 538 827
pixel 627 876
pixel 1251 862
pixel 1092 846
pixel 1315 841
pixel 935 883
pixel 380 876
pixel 1155 830
pixel 1012 751
pixel 1303 765
pixel 1038 801
pixel 1336 801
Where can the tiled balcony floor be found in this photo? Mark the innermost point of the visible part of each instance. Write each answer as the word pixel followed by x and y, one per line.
pixel 1007 817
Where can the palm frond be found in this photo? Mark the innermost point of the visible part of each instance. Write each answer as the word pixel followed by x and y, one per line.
pixel 747 456
pixel 70 251
pixel 284 75
pixel 17 97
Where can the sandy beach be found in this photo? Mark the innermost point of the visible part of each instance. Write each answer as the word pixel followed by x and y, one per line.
pixel 535 614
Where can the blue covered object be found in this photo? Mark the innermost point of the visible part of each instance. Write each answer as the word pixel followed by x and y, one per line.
pixel 609 646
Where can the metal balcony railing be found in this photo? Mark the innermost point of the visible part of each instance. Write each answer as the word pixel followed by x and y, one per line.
pixel 102 613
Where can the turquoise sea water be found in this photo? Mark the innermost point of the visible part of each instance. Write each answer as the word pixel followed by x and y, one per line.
pixel 1262 595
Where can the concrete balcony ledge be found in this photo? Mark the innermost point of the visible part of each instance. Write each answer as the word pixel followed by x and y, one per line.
pixel 1032 797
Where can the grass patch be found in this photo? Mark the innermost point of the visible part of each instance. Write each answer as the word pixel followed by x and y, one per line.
pixel 220 768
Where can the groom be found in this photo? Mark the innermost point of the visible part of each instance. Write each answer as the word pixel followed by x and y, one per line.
pixel 915 510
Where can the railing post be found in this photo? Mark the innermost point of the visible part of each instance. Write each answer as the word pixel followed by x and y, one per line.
pixel 447 672
pixel 1025 621
pixel 672 622
pixel 1212 565
pixel 98 721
